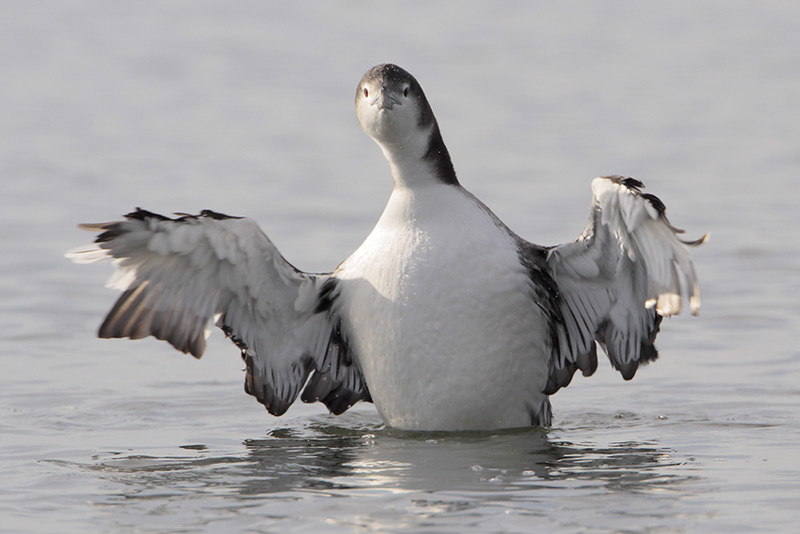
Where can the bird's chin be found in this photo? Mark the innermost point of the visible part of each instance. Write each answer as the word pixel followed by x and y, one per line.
pixel 383 129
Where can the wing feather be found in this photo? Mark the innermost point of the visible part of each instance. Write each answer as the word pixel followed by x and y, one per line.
pixel 177 275
pixel 626 271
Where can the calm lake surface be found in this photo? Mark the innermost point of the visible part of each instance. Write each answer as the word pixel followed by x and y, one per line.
pixel 245 107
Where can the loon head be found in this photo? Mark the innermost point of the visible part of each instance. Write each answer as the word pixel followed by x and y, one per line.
pixel 393 110
pixel 391 106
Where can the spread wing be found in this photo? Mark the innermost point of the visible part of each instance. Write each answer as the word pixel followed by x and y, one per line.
pixel 617 280
pixel 178 274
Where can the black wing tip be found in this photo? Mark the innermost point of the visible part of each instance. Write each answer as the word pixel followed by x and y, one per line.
pixel 339 385
pixel 656 202
pixel 263 393
pixel 627 181
pixel 276 402
pixel 647 353
pixel 338 399
pixel 140 214
pixel 273 404
pixel 636 186
pixel 330 387
pixel 561 377
pixel 110 232
pixel 113 230
pixel 627 369
pixel 217 215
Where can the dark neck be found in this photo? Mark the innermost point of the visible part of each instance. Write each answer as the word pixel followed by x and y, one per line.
pixel 438 158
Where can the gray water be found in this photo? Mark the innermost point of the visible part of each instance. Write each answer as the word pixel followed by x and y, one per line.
pixel 245 107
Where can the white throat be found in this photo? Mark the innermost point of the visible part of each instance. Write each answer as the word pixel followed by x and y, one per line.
pixel 407 161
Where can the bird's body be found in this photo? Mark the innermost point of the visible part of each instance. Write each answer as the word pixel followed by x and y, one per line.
pixel 441 322
pixel 443 317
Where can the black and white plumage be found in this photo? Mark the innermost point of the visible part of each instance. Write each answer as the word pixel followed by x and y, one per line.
pixel 443 317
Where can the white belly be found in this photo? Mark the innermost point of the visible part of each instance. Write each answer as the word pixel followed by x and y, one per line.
pixel 438 311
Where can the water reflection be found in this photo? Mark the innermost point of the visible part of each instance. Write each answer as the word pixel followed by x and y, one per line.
pixel 342 460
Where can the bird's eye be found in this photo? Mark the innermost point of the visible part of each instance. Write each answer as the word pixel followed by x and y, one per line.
pixel 405 91
pixel 366 92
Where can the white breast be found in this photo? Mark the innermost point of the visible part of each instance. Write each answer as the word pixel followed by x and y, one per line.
pixel 438 309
